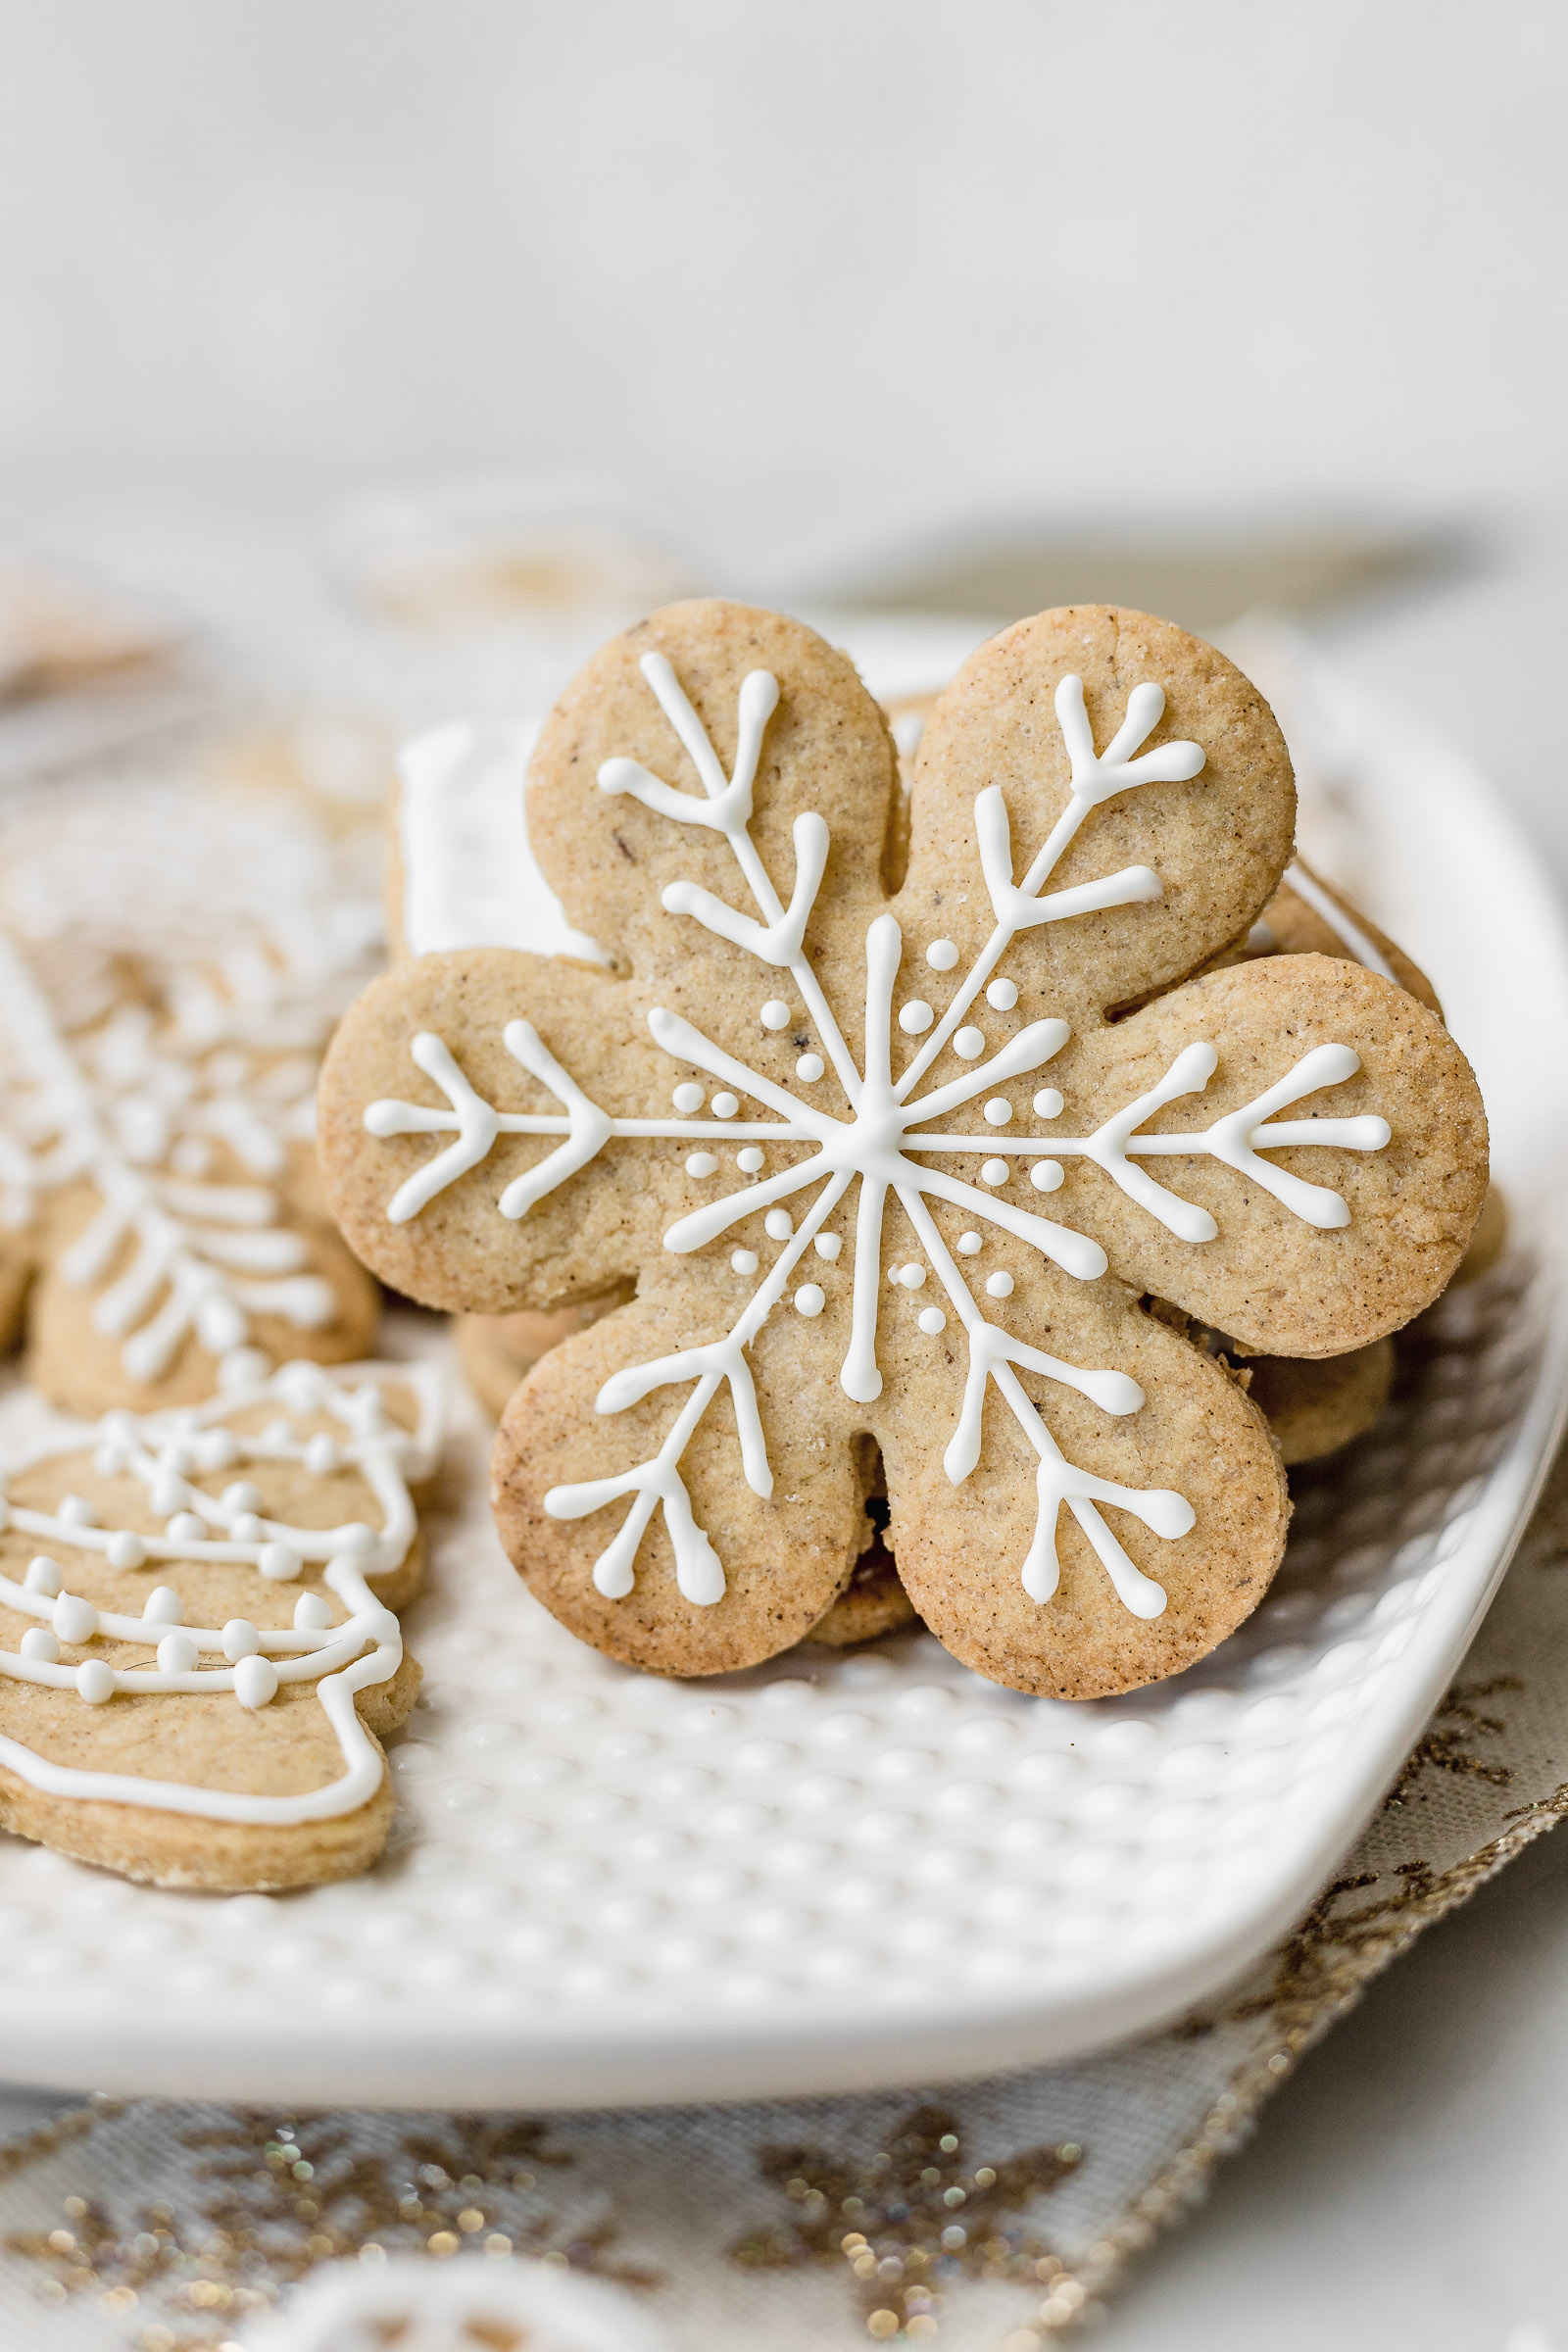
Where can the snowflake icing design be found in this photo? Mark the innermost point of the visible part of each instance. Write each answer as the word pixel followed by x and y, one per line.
pixel 138 1104
pixel 891 1122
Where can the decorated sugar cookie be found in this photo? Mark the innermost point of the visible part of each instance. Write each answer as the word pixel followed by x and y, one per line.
pixel 198 1644
pixel 161 1021
pixel 897 1172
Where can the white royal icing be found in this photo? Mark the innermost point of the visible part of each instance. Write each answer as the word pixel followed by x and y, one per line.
pixel 252 946
pixel 172 1454
pixel 470 876
pixel 886 1143
pixel 1346 931
pixel 422 2306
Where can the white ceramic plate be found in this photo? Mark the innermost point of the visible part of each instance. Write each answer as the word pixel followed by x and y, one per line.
pixel 846 1872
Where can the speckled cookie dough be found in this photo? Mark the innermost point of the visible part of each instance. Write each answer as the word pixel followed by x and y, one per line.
pixel 904 1169
pixel 199 1656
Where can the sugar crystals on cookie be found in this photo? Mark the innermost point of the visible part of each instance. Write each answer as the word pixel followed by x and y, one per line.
pixel 820 1130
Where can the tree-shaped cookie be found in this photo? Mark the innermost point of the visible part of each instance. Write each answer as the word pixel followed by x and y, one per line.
pixel 894 1160
pixel 198 1648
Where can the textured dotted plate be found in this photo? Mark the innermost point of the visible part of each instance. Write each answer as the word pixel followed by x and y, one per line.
pixel 842 1872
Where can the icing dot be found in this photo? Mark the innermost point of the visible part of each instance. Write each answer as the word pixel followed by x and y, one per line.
pixel 968 1044
pixel 43 1576
pixel 167 1493
pixel 312 1613
pixel 96 1681
pixel 77 1511
pixel 255 1682
pixel 1045 1175
pixel 242 1367
pixel 303 1386
pixel 969 1243
pixel 74 1619
pixel 702 1163
pixel 247 1528
pixel 932 1320
pixel 1047 1103
pixel 779 1224
pixel 322 1453
pixel 278 1432
pixel 1003 994
pixel 179 1458
pixel 215 1449
pixel 240 1640
pixel 998 1286
pixel 828 1244
pixel 941 954
pixel 163 1606
pixel 177 1652
pixel 915 1016
pixel 279 1562
pixel 999 1110
pixel 242 1496
pixel 688 1097
pixel 725 1106
pixel 127 1550
pixel 41 1645
pixel 185 1528
pixel 191 1157
pixel 809 1067
pixel 994 1171
pixel 749 1160
pixel 775 1013
pixel 118 1427
pixel 744 1261
pixel 810 1300
pixel 219 1322
pixel 912 1276
pixel 112 1460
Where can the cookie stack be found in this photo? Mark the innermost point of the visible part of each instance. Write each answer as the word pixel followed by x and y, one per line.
pixel 998 1168
pixel 198 1644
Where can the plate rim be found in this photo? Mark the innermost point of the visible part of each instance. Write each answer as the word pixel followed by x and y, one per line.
pixel 584 2061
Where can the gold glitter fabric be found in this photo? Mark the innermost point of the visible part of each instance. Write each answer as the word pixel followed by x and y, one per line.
pixel 986 2219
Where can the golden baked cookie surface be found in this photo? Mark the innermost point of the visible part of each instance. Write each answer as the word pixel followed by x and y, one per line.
pixel 903 1170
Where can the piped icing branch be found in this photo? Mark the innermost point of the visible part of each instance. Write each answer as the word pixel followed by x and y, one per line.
pixel 889 1145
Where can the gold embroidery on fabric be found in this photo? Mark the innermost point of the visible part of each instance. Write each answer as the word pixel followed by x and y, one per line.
pixel 914 2220
pixel 1446 1746
pixel 280 2197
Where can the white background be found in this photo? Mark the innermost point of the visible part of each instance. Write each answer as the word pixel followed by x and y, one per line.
pixel 823 278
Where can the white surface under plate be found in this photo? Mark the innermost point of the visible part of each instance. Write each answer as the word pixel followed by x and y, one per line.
pixel 848 1870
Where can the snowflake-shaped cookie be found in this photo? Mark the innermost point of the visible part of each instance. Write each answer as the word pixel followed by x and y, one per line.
pixel 158 1038
pixel 888 1168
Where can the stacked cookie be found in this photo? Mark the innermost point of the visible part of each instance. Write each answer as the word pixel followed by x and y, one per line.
pixel 984 1135
pixel 198 1647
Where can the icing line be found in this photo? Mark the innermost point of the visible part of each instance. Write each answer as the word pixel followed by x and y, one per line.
pixel 880 1142
pixel 330 1657
pixel 1344 929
